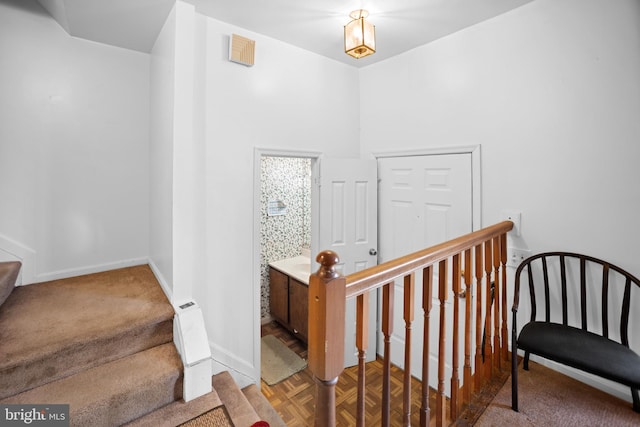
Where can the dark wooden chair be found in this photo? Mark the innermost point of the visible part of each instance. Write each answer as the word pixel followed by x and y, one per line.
pixel 568 286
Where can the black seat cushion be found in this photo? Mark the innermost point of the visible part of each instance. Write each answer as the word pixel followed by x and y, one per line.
pixel 583 350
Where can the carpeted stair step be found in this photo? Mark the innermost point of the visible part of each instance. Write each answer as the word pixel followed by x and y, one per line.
pixel 178 412
pixel 117 392
pixel 265 411
pixel 240 410
pixel 52 330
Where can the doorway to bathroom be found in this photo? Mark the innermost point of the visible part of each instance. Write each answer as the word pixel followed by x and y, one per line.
pixel 305 204
pixel 285 218
pixel 282 236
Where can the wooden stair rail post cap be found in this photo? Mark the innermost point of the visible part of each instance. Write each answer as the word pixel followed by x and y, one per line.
pixel 327 260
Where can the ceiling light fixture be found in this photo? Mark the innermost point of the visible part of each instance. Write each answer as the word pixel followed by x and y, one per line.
pixel 359 35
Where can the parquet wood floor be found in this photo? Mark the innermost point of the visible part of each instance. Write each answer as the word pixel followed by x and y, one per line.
pixel 293 398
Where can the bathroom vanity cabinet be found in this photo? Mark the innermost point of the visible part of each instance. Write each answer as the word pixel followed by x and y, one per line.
pixel 289 302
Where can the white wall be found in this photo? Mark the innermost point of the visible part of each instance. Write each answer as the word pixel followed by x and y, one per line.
pixel 189 155
pixel 162 88
pixel 552 93
pixel 177 154
pixel 291 99
pixel 73 146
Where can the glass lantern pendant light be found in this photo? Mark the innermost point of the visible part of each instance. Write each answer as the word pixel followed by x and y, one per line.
pixel 359 35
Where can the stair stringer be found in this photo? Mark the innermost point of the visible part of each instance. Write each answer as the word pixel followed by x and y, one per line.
pixel 191 341
pixel 188 337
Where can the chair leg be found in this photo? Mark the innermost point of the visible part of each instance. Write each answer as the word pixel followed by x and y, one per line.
pixel 525 362
pixel 636 399
pixel 514 377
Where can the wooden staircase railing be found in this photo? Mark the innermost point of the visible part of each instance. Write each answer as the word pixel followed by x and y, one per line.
pixel 476 262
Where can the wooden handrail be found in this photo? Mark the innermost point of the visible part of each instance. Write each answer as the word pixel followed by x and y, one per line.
pixel 378 275
pixel 328 292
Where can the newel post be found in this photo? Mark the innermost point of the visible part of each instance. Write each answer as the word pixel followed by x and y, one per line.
pixel 327 293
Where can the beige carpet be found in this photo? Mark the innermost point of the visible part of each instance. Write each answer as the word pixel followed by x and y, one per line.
pixel 547 398
pixel 55 329
pixel 217 417
pixel 102 343
pixel 278 362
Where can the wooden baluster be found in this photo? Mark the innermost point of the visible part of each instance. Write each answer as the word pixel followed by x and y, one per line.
pixel 487 315
pixel 505 331
pixel 362 342
pixel 327 296
pixel 409 291
pixel 468 281
pixel 455 379
pixel 496 304
pixel 443 291
pixel 387 330
pixel 427 294
pixel 478 376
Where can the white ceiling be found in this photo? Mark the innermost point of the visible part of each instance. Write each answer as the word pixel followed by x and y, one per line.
pixel 314 25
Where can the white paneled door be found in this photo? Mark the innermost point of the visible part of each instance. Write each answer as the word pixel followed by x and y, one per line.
pixel 423 201
pixel 347 223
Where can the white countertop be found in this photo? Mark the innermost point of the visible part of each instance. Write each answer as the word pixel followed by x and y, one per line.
pixel 298 267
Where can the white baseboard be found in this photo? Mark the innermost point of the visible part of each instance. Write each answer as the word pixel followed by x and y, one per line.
pixel 160 277
pixel 27 257
pixel 241 370
pixel 241 379
pixel 80 271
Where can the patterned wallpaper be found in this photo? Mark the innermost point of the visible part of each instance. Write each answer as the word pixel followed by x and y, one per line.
pixel 281 236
